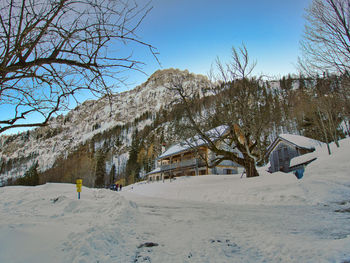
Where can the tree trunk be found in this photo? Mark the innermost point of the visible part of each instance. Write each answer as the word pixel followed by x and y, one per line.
pixel 250 168
pixel 324 131
pixel 333 129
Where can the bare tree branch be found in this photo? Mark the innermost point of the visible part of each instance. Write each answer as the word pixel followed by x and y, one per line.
pixel 241 106
pixel 50 50
pixel 326 43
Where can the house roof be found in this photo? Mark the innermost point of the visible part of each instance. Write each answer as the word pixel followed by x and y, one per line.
pixel 155 171
pixel 297 140
pixel 184 146
pixel 301 141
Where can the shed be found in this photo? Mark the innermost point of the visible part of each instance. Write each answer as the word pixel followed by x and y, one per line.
pixel 286 147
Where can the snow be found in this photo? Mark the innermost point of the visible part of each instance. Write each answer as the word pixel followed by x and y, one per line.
pixel 49 224
pixel 177 148
pixel 302 159
pixel 301 141
pixel 221 218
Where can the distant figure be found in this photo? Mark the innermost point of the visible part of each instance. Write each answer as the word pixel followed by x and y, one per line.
pixel 117 187
pixel 120 187
pixel 243 173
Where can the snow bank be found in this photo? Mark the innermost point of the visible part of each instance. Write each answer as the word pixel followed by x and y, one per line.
pixel 49 224
pixel 327 179
pixel 270 218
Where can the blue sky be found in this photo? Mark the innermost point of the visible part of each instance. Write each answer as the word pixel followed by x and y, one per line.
pixel 191 34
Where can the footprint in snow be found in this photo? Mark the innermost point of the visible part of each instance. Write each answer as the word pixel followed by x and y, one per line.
pixel 143 251
pixel 228 247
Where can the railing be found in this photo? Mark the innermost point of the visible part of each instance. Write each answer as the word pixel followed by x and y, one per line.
pixel 183 164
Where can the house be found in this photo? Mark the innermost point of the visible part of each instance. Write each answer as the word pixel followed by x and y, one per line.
pixel 287 147
pixel 190 158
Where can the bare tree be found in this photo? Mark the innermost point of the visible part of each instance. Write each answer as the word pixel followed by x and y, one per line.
pixel 52 49
pixel 326 42
pixel 240 105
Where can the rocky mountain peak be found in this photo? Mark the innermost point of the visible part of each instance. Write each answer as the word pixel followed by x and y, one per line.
pixel 66 133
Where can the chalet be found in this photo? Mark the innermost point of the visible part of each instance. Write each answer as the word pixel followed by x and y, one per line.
pixel 190 159
pixel 287 147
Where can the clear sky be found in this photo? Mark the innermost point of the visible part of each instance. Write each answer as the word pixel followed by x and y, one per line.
pixel 190 34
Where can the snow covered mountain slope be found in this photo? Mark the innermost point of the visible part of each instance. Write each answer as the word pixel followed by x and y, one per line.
pixel 272 218
pixel 66 133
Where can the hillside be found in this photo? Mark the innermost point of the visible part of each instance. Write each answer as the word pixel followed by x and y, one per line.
pixel 272 218
pixel 120 137
pixel 91 124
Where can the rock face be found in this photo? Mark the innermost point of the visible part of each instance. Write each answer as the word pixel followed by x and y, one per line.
pixel 67 133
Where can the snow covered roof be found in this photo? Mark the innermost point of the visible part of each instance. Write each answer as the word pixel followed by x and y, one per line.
pixel 214 135
pixel 177 148
pixel 157 170
pixel 303 159
pixel 301 141
pixel 298 140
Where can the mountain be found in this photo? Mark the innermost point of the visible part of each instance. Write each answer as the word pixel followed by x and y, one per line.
pixel 119 137
pixel 108 122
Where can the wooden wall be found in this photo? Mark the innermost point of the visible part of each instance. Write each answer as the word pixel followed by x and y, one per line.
pixel 281 155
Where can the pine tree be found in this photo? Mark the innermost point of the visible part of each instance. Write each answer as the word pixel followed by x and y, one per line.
pixel 132 166
pixel 112 174
pixel 100 171
pixel 31 176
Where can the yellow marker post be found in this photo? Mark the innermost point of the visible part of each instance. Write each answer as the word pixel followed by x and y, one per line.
pixel 79 183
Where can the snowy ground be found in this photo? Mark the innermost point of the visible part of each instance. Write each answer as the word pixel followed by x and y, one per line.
pixel 273 218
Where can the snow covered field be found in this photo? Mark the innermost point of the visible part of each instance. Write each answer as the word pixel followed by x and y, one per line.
pixel 272 218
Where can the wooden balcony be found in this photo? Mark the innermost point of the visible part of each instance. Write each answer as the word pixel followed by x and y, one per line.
pixel 183 164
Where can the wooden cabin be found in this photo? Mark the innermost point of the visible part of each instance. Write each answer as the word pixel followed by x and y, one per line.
pixel 286 147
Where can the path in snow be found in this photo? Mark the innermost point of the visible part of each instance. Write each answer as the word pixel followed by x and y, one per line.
pixel 203 232
pixel 271 218
pixel 48 224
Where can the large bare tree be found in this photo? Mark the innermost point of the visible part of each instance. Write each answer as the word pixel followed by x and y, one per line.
pixel 326 42
pixel 52 49
pixel 239 105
